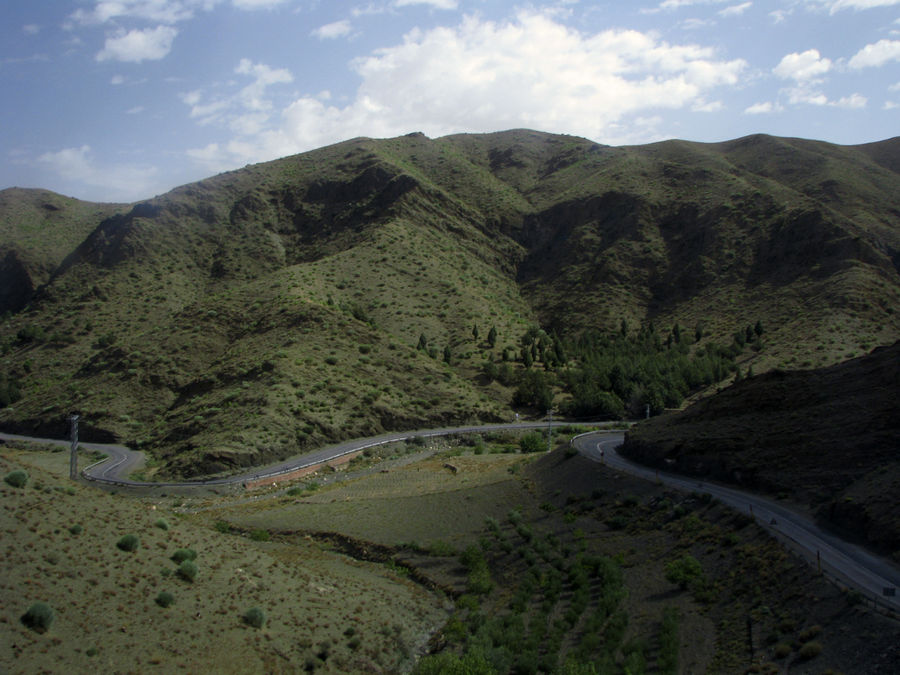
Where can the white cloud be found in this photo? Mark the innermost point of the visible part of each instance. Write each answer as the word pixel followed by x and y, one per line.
pixel 678 4
pixel 760 108
pixel 156 11
pixel 877 54
pixel 853 101
pixel 437 4
pixel 31 29
pixel 894 87
pixel 257 4
pixel 332 30
pixel 708 106
pixel 117 80
pixel 118 182
pixel 780 15
pixel 482 76
pixel 136 110
pixel 736 10
pixel 890 105
pixel 804 95
pixel 695 24
pixel 802 66
pixel 252 97
pixel 834 6
pixel 135 46
pixel 245 112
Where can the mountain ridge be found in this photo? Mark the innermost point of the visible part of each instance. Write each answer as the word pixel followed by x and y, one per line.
pixel 240 318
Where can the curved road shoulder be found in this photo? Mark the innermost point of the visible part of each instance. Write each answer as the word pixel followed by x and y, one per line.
pixel 848 563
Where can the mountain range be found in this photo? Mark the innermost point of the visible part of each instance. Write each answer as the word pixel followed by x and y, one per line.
pixel 351 289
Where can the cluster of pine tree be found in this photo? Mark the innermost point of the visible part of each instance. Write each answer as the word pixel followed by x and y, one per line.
pixel 623 374
pixel 614 375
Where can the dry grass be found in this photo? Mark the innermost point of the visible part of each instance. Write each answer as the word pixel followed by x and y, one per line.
pixel 104 599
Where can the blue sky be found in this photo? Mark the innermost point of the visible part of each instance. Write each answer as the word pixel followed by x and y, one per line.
pixel 120 100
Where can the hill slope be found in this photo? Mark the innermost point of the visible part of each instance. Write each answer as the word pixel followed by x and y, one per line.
pixel 261 311
pixel 828 437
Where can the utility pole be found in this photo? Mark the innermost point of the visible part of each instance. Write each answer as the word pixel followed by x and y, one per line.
pixel 549 428
pixel 73 456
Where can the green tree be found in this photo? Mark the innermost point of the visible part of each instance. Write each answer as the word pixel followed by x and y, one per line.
pixel 423 343
pixel 527 358
pixel 475 332
pixel 448 355
pixel 492 337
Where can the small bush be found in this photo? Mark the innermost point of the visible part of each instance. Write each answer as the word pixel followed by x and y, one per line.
pixel 187 570
pixel 162 524
pixel 165 599
pixel 260 535
pixel 782 650
pixel 129 542
pixel 38 617
pixel 255 617
pixel 441 548
pixel 183 554
pixel 224 527
pixel 76 529
pixel 17 478
pixel 685 571
pixel 809 633
pixel 531 442
pixel 809 651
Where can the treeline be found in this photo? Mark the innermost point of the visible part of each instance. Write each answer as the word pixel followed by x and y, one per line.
pixel 619 374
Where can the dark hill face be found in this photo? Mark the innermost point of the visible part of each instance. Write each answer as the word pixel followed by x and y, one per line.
pixel 829 437
pixel 268 309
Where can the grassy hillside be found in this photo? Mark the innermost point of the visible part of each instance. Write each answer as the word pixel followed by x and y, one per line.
pixel 262 311
pixel 521 563
pixel 829 438
pixel 38 229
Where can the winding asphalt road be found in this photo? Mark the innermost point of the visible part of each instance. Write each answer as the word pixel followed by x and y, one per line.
pixel 846 562
pixel 122 461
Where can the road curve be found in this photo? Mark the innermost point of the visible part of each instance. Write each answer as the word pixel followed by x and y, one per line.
pixel 121 461
pixel 850 564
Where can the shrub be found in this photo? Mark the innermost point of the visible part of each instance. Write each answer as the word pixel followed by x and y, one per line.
pixel 162 524
pixel 223 526
pixel 782 650
pixel 255 617
pixel 809 651
pixel 260 535
pixel 16 478
pixel 76 529
pixel 165 599
pixel 809 633
pixel 183 554
pixel 684 571
pixel 38 617
pixel 129 542
pixel 531 442
pixel 187 570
